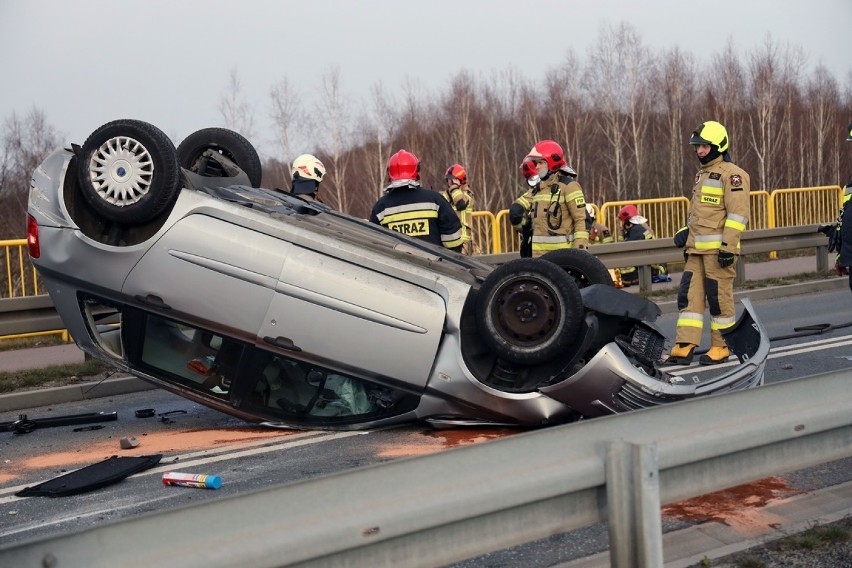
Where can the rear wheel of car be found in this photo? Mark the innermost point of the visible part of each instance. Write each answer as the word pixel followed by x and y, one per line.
pixel 582 266
pixel 128 171
pixel 529 311
pixel 229 144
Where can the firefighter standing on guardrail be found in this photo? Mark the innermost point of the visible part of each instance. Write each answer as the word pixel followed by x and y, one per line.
pixel 718 215
pixel 460 197
pixel 558 209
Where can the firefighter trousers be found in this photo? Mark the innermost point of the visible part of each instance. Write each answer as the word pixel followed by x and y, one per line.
pixel 705 284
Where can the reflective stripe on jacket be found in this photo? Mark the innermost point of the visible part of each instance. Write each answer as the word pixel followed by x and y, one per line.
pixel 421 213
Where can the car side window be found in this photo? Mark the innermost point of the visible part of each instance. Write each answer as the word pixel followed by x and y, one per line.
pixel 195 358
pixel 298 391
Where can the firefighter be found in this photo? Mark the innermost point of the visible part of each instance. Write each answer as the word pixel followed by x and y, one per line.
pixel 524 224
pixel 461 198
pixel 844 256
pixel 307 173
pixel 415 211
pixel 597 231
pixel 839 233
pixel 634 227
pixel 557 210
pixel 718 215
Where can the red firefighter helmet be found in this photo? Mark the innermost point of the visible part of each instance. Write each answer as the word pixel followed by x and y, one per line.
pixel 457 172
pixel 403 165
pixel 627 212
pixel 549 151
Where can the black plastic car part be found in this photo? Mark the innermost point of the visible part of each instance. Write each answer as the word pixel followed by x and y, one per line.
pixel 95 476
pixel 24 425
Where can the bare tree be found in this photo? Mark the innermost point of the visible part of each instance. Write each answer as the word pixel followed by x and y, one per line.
pixel 236 113
pixel 503 143
pixel 286 116
pixel 638 67
pixel 605 84
pixel 24 143
pixel 822 105
pixel 765 121
pixel 569 113
pixel 675 86
pixel 334 126
pixel 374 151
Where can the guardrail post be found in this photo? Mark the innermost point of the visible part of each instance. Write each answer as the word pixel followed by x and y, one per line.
pixel 645 274
pixel 633 506
pixel 822 258
pixel 740 276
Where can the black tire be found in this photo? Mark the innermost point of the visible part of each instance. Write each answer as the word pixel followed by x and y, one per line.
pixel 128 171
pixel 528 311
pixel 581 265
pixel 230 144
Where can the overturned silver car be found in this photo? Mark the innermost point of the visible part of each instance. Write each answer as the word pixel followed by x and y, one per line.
pixel 173 265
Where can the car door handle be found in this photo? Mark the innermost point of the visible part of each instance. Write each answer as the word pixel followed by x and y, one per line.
pixel 282 342
pixel 153 301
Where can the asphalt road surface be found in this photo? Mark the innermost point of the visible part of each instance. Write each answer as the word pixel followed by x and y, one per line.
pixel 249 457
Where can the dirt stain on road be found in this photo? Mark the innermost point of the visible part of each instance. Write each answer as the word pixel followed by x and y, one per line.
pixel 431 441
pixel 166 442
pixel 740 507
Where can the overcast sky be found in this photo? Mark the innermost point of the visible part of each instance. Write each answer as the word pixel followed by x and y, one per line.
pixel 86 62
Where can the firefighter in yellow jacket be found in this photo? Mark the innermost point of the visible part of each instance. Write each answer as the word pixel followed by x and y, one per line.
pixel 556 208
pixel 461 198
pixel 718 215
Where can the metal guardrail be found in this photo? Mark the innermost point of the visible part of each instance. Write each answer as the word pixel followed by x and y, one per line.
pixel 461 503
pixel 659 251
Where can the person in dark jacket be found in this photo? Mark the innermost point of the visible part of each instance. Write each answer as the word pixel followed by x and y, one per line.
pixel 412 210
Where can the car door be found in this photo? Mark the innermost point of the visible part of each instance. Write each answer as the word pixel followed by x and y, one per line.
pixel 354 318
pixel 214 271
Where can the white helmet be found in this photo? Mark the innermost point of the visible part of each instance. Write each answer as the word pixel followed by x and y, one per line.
pixel 307 166
pixel 590 210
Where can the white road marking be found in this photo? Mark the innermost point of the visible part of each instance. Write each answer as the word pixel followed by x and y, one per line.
pixel 187 461
pixel 774 353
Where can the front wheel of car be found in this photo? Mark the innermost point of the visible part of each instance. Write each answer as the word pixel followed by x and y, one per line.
pixel 584 267
pixel 528 311
pixel 128 171
pixel 193 154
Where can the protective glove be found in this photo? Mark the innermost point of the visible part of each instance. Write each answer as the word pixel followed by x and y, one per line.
pixel 681 236
pixel 726 258
pixel 832 231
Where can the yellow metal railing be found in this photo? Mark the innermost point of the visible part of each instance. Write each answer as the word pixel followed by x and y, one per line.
pixel 805 206
pixel 780 208
pixel 665 216
pixel 21 276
